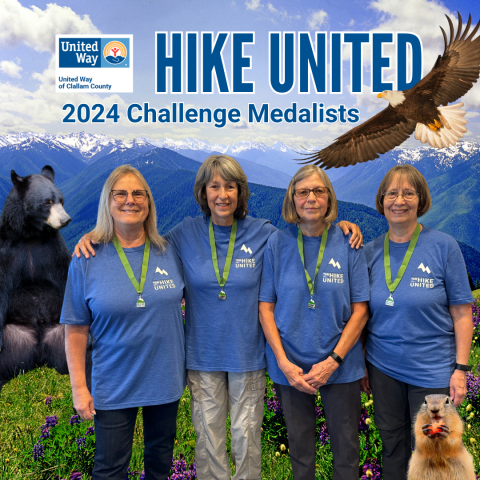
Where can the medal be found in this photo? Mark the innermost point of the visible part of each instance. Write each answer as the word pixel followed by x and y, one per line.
pixel 406 259
pixel 138 287
pixel 231 244
pixel 389 301
pixel 311 303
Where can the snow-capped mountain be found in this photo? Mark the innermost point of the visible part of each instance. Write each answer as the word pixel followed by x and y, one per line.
pixel 84 146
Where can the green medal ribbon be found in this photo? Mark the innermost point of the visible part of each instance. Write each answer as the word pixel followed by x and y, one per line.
pixel 406 259
pixel 311 303
pixel 231 244
pixel 128 268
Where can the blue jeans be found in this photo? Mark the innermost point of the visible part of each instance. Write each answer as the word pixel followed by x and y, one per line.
pixel 114 438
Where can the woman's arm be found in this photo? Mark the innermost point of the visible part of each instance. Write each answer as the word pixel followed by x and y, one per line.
pixel 356 240
pixel 321 372
pixel 293 373
pixel 76 338
pixel 463 327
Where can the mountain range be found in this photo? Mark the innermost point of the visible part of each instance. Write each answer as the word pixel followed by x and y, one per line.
pixel 83 161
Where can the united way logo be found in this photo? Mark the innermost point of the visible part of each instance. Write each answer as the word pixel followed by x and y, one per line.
pixel 115 52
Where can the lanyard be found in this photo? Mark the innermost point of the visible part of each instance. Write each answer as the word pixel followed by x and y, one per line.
pixel 386 260
pixel 128 268
pixel 311 303
pixel 231 244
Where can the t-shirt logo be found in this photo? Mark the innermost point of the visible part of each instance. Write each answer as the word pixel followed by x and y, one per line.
pixel 333 272
pixel 161 280
pixel 422 277
pixel 244 258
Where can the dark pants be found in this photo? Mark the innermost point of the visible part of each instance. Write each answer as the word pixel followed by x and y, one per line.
pixel 396 405
pixel 342 407
pixel 114 438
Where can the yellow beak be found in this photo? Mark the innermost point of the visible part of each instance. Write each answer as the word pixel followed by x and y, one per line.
pixel 380 95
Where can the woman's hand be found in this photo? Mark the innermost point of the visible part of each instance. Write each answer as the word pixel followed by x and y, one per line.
pixel 296 378
pixel 356 240
pixel 321 372
pixel 365 384
pixel 83 403
pixel 458 387
pixel 84 246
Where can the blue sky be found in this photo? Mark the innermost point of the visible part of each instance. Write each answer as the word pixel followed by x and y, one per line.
pixel 28 101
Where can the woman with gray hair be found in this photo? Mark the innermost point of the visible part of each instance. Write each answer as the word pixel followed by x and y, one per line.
pixel 222 255
pixel 137 330
pixel 313 307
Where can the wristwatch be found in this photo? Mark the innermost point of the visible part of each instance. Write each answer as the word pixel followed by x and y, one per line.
pixel 336 357
pixel 464 368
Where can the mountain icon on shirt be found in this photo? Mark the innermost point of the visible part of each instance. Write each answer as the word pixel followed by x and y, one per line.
pixel 422 271
pixel 160 274
pixel 333 266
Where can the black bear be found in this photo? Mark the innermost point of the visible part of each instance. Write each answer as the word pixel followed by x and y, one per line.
pixel 34 261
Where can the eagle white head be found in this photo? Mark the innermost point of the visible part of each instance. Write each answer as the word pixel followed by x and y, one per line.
pixel 394 97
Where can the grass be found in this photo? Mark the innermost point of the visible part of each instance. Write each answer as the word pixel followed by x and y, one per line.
pixel 23 411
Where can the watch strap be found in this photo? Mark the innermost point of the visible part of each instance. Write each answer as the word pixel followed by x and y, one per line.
pixel 336 357
pixel 464 368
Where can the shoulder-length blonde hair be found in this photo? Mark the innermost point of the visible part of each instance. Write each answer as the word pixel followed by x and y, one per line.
pixel 231 171
pixel 289 212
pixel 415 178
pixel 104 230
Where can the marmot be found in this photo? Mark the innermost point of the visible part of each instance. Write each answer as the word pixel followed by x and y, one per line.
pixel 439 451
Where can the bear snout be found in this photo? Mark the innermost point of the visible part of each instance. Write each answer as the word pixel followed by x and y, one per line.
pixel 58 217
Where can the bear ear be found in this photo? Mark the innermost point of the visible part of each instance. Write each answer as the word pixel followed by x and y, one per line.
pixel 16 179
pixel 47 171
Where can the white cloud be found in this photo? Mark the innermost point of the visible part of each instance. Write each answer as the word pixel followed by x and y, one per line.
pixel 37 28
pixel 351 23
pixel 11 69
pixel 253 4
pixel 317 19
pixel 471 115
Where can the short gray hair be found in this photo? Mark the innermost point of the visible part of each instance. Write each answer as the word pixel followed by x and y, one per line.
pixel 289 212
pixel 231 171
pixel 104 230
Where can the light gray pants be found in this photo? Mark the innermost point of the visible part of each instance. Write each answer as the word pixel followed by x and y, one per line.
pixel 214 394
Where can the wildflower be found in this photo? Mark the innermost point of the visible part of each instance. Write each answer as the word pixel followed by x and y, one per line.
pixel 318 412
pixel 469 407
pixel 38 452
pixel 371 470
pixel 75 475
pixel 51 421
pixel 90 431
pixel 363 425
pixel 274 405
pixel 48 400
pixel 277 454
pixel 368 421
pixel 142 475
pixel 81 442
pixel 472 440
pixel 324 435
pixel 283 447
pixel 75 419
pixel 45 431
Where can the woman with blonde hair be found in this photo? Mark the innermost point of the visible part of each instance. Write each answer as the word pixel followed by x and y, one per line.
pixel 138 351
pixel 313 307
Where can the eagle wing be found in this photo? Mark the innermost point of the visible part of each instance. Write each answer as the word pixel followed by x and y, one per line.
pixel 384 131
pixel 455 72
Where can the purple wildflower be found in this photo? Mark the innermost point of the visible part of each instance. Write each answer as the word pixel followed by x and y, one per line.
pixel 363 427
pixel 90 431
pixel 38 452
pixel 81 442
pixel 180 471
pixel 473 388
pixel 475 314
pixel 75 475
pixel 48 400
pixel 75 419
pixel 45 431
pixel 51 421
pixel 318 412
pixel 274 405
pixel 142 475
pixel 375 470
pixel 324 435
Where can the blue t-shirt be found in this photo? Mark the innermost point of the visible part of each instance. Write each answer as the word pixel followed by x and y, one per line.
pixel 413 341
pixel 138 353
pixel 222 335
pixel 308 335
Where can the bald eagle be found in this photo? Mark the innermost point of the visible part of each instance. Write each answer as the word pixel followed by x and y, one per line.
pixel 417 109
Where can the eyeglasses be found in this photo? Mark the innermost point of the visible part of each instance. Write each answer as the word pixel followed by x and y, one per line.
pixel 318 192
pixel 408 195
pixel 120 196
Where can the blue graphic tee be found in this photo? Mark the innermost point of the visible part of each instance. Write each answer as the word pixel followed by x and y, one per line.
pixel 138 353
pixel 308 335
pixel 222 335
pixel 413 341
